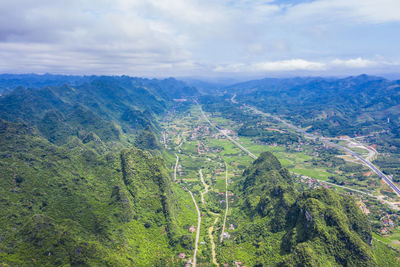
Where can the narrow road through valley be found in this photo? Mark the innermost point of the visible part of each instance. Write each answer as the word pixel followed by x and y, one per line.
pixel 197 230
pixel 211 228
pixel 226 135
pixel 226 202
pixel 176 166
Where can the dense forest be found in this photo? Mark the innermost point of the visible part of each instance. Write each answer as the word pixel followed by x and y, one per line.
pixel 277 225
pixel 81 181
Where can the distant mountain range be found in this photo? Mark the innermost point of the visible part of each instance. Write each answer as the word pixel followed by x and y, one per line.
pixel 83 181
pixel 348 106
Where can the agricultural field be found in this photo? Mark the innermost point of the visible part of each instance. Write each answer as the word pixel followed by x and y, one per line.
pixel 201 147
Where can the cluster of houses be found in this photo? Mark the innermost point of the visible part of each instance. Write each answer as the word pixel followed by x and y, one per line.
pixel 202 148
pixel 200 131
pixel 226 235
pixel 313 183
pixel 219 171
pixel 230 194
pixel 299 146
pixel 388 222
pixel 363 207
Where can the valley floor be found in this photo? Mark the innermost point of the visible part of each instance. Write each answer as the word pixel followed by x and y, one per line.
pixel 207 157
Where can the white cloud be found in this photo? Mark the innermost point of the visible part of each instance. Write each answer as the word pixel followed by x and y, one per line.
pixel 355 63
pixel 370 11
pixel 300 65
pixel 273 66
pixel 289 65
pixel 171 37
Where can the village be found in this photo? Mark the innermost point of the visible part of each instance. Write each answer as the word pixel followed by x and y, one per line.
pixel 199 146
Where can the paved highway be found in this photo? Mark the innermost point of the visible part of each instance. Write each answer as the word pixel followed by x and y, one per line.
pixel 390 204
pixel 325 141
pixel 369 164
pixel 226 135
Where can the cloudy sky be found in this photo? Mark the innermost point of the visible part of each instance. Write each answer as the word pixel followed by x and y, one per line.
pixel 206 38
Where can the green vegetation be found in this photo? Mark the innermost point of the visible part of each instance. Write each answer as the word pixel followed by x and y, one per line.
pixel 147 140
pixel 385 256
pixel 364 106
pixel 73 206
pixel 279 226
pixel 264 213
pixel 75 187
pixel 86 171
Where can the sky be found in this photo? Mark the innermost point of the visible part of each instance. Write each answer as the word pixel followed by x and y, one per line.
pixel 200 38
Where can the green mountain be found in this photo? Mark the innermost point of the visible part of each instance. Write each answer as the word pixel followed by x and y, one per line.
pixel 348 106
pixel 83 182
pixel 70 205
pixel 332 106
pixel 279 226
pixel 75 187
pixel 10 81
pixel 104 106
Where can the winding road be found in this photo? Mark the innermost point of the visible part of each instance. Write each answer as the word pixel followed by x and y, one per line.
pixel 196 244
pixel 210 230
pixel 210 235
pixel 233 99
pixel 325 140
pixel 361 192
pixel 198 216
pixel 387 180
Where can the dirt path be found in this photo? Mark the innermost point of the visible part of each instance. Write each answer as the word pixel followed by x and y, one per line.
pixel 211 228
pixel 226 201
pixel 206 186
pixel 197 230
pixel 210 235
pixel 176 166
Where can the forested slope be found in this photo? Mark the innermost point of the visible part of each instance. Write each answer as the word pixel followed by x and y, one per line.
pixel 75 189
pixel 279 226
